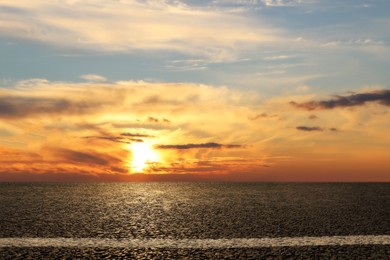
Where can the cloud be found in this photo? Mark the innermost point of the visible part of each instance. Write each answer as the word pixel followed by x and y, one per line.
pixel 153 119
pixel 93 78
pixel 313 117
pixel 115 139
pixel 90 125
pixel 279 57
pixel 137 135
pixel 122 26
pixel 81 157
pixel 309 128
pixel 125 138
pixel 57 161
pixel 216 165
pixel 315 128
pixel 381 96
pixel 367 42
pixel 19 107
pixel 285 2
pixel 263 115
pixel 111 115
pixel 198 146
pixel 187 65
pixel 94 132
pixel 157 120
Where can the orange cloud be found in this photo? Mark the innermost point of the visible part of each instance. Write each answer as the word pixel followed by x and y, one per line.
pixel 91 129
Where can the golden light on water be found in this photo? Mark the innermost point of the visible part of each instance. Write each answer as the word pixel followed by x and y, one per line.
pixel 143 155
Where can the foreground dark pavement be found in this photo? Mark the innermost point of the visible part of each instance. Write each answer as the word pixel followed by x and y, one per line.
pixel 197 210
pixel 318 252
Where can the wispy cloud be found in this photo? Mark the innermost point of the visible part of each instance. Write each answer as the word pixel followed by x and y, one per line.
pixel 187 65
pixel 365 42
pixel 93 78
pixel 133 25
pixel 285 2
pixel 279 57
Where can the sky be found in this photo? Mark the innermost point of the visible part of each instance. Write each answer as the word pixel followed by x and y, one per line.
pixel 185 90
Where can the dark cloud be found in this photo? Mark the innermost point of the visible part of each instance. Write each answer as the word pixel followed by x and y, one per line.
pixel 153 119
pixel 22 106
pixel 263 115
pixel 137 135
pixel 109 138
pixel 157 120
pixel 157 100
pixel 313 117
pixel 198 146
pixel 309 128
pixel 19 107
pixel 113 139
pixel 315 128
pixel 117 139
pixel 150 126
pixel 382 97
pixel 81 157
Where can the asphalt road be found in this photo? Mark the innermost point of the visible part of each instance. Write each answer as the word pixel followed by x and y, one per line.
pixel 194 211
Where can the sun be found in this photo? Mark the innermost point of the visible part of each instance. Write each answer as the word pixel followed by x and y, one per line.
pixel 143 155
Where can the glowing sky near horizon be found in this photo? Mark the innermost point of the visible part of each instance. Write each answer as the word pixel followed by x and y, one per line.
pixel 249 90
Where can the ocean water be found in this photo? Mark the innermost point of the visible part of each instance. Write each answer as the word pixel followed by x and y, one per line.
pixel 192 211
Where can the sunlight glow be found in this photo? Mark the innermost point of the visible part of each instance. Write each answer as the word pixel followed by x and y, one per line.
pixel 143 156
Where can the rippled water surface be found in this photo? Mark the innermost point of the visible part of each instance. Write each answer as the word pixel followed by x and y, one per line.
pixel 193 210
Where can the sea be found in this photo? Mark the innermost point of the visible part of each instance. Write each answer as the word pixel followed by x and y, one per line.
pixel 195 220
